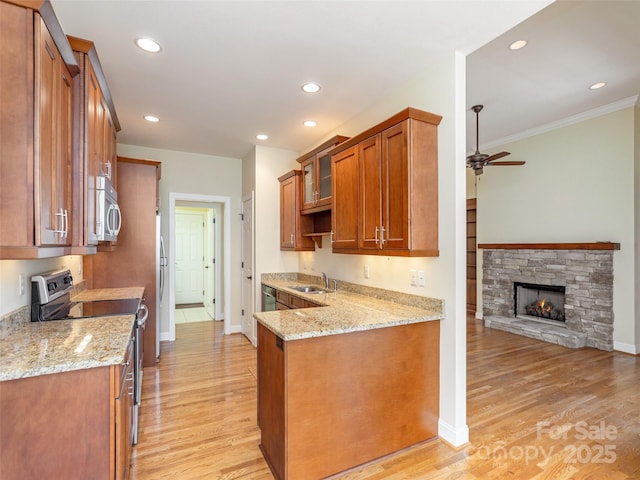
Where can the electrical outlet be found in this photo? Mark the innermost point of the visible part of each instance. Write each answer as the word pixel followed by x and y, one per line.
pixel 414 278
pixel 421 278
pixel 366 271
pixel 22 284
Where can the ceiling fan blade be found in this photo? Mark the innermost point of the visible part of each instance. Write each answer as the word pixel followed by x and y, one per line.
pixel 506 163
pixel 496 156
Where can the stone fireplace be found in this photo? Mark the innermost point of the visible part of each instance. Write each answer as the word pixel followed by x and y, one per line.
pixel 559 293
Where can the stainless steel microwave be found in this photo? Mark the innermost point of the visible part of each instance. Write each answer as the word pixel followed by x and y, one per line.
pixel 108 216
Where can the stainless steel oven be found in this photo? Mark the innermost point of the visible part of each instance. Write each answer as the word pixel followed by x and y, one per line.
pixel 51 300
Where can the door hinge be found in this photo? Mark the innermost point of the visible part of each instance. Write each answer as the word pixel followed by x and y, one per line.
pixel 243 312
pixel 213 301
pixel 242 265
pixel 214 219
pixel 242 216
pixel 213 261
pixel 203 293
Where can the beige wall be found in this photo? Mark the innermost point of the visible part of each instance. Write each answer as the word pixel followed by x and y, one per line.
pixel 577 186
pixel 441 91
pixel 637 221
pixel 10 299
pixel 261 169
pixel 192 173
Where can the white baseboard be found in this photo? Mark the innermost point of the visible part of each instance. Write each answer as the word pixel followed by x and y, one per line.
pixel 165 337
pixel 626 348
pixel 456 437
pixel 479 315
pixel 234 329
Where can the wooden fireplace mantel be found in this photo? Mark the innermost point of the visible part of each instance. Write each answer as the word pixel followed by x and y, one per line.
pixel 552 246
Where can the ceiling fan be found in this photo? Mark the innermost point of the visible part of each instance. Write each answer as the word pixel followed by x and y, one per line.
pixel 478 160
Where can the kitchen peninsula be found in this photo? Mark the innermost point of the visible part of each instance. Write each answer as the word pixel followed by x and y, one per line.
pixel 348 382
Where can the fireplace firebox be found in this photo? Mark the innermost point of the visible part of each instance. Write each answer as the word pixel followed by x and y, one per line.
pixel 539 301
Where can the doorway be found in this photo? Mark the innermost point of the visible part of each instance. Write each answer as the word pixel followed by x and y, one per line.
pixel 248 282
pixel 211 287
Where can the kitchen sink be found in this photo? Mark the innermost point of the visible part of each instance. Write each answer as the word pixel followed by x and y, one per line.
pixel 308 289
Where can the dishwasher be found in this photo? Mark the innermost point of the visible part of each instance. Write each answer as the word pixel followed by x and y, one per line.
pixel 268 299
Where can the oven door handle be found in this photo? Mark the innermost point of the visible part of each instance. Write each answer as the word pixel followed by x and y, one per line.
pixel 143 319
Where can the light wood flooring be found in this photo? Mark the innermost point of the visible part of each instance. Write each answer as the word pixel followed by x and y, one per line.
pixel 535 411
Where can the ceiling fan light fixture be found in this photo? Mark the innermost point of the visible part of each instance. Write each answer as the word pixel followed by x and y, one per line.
pixel 597 85
pixel 148 45
pixel 517 45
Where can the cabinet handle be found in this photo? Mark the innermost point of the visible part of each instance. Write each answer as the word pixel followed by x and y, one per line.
pixel 107 164
pixel 331 236
pixel 382 240
pixel 292 239
pixel 65 219
pixel 61 231
pixel 377 230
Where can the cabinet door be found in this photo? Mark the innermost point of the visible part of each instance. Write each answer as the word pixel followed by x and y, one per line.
pixel 287 213
pixel 52 142
pixel 308 184
pixel 93 121
pixel 345 172
pixel 395 187
pixel 323 180
pixel 124 416
pixel 371 192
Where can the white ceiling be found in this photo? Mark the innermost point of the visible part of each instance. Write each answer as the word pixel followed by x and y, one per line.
pixel 231 69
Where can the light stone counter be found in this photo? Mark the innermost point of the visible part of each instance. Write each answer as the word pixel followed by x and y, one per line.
pixel 98 294
pixel 41 348
pixel 345 311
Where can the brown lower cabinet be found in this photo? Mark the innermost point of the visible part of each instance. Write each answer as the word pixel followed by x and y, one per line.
pixel 285 301
pixel 324 406
pixel 71 425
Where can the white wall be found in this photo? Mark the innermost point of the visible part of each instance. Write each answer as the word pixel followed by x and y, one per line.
pixel 577 186
pixel 441 90
pixel 261 169
pixel 10 299
pixel 193 173
pixel 637 222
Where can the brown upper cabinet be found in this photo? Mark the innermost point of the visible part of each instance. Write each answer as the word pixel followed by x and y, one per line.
pixel 293 225
pixel 385 199
pixel 36 81
pixel 94 138
pixel 316 168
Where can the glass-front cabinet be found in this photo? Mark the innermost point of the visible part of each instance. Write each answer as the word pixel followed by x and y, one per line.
pixel 316 170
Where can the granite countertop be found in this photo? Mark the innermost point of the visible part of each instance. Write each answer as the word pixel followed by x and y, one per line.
pixel 98 294
pixel 41 348
pixel 343 312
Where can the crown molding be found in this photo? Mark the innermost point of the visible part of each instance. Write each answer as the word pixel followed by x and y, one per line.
pixel 564 122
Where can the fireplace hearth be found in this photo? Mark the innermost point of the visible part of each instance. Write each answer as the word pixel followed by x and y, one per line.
pixel 536 301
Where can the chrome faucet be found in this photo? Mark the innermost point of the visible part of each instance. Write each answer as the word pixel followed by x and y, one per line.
pixel 325 280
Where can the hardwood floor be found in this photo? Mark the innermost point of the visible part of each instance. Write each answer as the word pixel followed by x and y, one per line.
pixel 535 411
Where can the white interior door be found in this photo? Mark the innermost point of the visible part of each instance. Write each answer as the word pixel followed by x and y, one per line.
pixel 189 257
pixel 248 323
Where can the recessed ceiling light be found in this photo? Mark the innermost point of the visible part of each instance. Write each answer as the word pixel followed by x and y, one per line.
pixel 518 44
pixel 598 85
pixel 148 45
pixel 311 87
pixel 151 118
pixel 310 123
pixel 262 136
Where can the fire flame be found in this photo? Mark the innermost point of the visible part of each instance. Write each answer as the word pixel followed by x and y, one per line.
pixel 542 307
